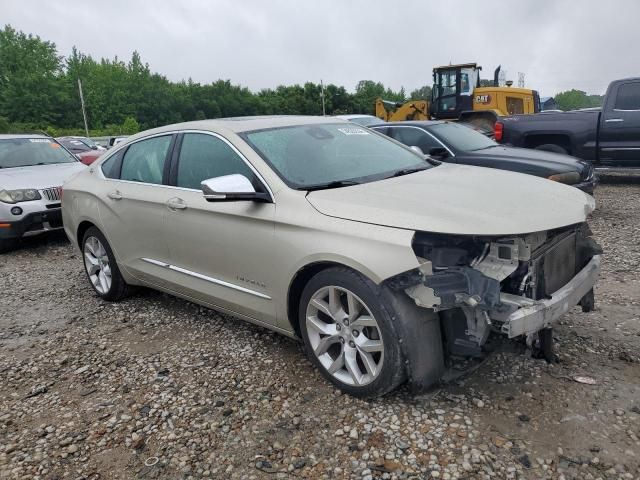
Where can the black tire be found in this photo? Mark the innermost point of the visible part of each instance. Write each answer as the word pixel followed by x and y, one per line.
pixel 551 147
pixel 392 372
pixel 6 245
pixel 119 288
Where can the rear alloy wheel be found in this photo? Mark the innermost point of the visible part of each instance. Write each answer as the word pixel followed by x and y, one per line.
pixel 348 334
pixel 101 267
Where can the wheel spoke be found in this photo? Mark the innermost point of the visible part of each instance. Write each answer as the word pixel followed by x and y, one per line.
pixel 369 363
pixel 91 259
pixel 93 269
pixel 364 321
pixel 322 306
pixel 321 327
pixel 354 306
pixel 103 282
pixel 337 364
pixel 352 365
pixel 334 301
pixel 367 345
pixel 325 343
pixel 90 246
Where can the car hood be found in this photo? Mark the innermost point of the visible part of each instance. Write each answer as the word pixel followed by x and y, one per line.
pixel 459 199
pixel 38 176
pixel 530 161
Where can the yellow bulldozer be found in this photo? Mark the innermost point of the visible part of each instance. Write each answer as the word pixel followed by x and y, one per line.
pixel 397 112
pixel 457 95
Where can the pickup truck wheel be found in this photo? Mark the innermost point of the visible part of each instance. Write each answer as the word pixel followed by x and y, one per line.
pixel 348 334
pixel 101 267
pixel 550 147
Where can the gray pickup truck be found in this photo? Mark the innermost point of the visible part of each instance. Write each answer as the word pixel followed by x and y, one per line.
pixel 609 137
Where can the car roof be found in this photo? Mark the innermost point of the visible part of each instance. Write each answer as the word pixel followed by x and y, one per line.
pixel 11 136
pixel 414 123
pixel 355 115
pixel 242 124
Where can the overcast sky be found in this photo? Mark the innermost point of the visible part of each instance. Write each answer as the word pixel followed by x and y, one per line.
pixel 558 44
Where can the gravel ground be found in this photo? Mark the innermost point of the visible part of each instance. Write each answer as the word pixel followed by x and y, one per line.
pixel 156 387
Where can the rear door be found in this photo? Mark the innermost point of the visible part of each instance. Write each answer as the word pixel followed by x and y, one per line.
pixel 133 203
pixel 620 126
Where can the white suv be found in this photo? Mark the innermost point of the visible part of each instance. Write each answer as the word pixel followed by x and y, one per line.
pixel 32 171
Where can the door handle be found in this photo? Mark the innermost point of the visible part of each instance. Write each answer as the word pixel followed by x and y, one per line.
pixel 176 204
pixel 115 195
pixel 614 120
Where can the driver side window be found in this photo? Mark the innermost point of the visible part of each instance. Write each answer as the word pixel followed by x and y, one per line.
pixel 205 156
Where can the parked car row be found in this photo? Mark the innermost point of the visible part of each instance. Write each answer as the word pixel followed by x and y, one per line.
pixel 384 262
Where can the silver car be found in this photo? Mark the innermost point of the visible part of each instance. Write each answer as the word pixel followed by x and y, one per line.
pixel 32 170
pixel 381 261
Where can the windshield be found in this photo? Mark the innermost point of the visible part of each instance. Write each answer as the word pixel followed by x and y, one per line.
pixel 459 137
pixel 309 156
pixel 24 152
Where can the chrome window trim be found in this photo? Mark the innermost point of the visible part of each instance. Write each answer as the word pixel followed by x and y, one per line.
pixel 417 128
pixel 205 277
pixel 175 132
pixel 626 110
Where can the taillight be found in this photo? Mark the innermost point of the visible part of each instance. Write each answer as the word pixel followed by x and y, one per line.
pixel 498 129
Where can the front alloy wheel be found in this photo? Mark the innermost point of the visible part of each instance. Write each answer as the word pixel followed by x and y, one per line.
pixel 344 336
pixel 348 332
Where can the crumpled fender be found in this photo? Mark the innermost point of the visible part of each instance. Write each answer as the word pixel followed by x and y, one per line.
pixel 420 339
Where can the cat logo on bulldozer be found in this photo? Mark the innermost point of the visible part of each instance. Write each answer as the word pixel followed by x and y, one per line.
pixel 483 99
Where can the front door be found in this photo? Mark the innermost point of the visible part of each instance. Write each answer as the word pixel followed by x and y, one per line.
pixel 620 127
pixel 220 250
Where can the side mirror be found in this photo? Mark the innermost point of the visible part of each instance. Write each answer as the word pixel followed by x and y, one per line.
pixel 417 149
pixel 94 147
pixel 230 188
pixel 439 152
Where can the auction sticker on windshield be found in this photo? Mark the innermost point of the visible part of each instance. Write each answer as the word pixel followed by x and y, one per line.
pixel 353 131
pixel 39 140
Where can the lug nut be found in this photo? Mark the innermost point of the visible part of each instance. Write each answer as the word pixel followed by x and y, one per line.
pixel 352 344
pixel 355 333
pixel 338 327
pixel 341 340
pixel 346 322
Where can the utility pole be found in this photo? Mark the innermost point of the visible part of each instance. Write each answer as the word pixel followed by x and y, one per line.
pixel 84 113
pixel 322 96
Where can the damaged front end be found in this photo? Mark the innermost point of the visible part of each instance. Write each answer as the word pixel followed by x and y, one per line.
pixel 516 285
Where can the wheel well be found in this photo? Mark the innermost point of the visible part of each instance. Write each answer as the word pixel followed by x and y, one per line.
pixel 298 283
pixel 533 141
pixel 82 228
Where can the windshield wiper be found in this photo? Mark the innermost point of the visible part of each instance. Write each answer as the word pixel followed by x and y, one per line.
pixel 328 185
pixel 407 171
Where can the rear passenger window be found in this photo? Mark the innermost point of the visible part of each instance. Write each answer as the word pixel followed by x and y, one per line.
pixel 628 97
pixel 205 156
pixel 144 160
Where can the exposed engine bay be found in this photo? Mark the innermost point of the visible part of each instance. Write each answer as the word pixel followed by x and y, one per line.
pixel 515 285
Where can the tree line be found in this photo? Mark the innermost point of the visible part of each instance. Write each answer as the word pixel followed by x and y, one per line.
pixel 39 91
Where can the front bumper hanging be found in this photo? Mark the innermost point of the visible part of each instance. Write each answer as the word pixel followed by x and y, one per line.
pixel 525 316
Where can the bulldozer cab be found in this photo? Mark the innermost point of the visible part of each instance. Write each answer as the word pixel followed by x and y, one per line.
pixel 453 87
